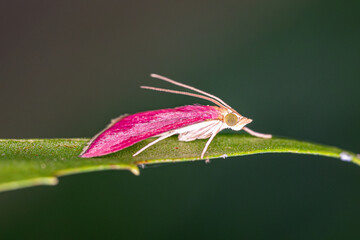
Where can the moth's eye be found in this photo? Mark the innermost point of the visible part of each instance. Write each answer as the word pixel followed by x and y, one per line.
pixel 231 119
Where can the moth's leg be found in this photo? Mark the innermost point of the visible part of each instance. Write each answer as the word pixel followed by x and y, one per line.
pixel 217 130
pixel 156 141
pixel 198 132
pixel 256 134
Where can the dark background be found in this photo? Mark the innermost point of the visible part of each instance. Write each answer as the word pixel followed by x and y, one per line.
pixel 67 67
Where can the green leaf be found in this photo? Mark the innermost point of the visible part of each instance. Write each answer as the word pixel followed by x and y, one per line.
pixel 30 162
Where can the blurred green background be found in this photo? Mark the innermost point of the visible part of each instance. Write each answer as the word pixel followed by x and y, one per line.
pixel 68 67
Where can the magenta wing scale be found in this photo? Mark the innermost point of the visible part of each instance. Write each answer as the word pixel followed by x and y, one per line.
pixel 128 130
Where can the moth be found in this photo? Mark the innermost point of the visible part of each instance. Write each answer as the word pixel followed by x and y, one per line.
pixel 189 122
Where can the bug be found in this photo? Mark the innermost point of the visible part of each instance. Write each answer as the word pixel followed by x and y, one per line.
pixel 189 122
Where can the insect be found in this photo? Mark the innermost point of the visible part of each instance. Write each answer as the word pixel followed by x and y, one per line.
pixel 189 122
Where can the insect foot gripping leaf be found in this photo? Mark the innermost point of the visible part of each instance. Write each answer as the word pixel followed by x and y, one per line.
pixel 190 122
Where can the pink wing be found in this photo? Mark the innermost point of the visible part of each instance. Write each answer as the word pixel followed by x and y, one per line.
pixel 131 129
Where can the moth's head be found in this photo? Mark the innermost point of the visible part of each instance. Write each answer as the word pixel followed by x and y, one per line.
pixel 235 121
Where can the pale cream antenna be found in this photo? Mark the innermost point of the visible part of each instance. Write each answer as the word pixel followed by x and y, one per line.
pixel 191 88
pixel 184 93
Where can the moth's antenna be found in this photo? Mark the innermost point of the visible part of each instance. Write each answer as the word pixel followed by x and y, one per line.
pixel 184 93
pixel 191 88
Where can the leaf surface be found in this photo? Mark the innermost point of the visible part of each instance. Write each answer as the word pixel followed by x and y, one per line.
pixel 31 162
